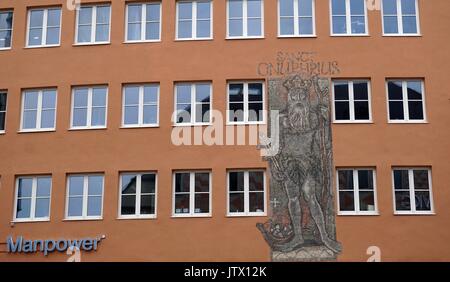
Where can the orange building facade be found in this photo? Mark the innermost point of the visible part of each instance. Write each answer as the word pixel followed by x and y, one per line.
pixel 72 135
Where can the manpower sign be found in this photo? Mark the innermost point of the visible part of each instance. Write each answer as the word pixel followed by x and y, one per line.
pixel 21 245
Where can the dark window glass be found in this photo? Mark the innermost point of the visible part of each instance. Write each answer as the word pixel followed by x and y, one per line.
pixel 202 203
pixel 346 201
pixel 236 181
pixel 256 203
pixel 342 110
pixel 236 92
pixel 395 90
pixel 415 110
pixel 182 182
pixel 401 180
pixel 147 204
pixel 345 179
pixel 396 111
pixel 402 201
pixel 341 91
pixel 361 110
pixel 255 111
pixel 423 202
pixel 360 91
pixel 128 204
pixel 256 181
pixel 366 201
pixel 182 203
pixel 365 179
pixel 421 179
pixel 202 182
pixel 255 92
pixel 148 183
pixel 236 202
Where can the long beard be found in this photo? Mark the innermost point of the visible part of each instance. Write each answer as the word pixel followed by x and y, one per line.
pixel 298 116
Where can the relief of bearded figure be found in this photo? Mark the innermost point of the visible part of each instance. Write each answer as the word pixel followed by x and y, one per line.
pixel 302 168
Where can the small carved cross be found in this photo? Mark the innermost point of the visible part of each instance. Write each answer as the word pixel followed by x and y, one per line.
pixel 275 202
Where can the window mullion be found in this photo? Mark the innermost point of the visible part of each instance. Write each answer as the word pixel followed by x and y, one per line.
pixel 356 189
pixel 412 195
pixel 405 100
pixel 44 27
pixel 351 101
pixel 94 23
pixel 89 108
pixel 399 17
pixel 39 110
pixel 348 15
pixel 85 196
pixel 138 194
pixel 191 193
pixel 296 18
pixel 194 19
pixel 246 106
pixel 33 198
pixel 143 20
pixel 246 193
pixel 141 106
pixel 244 18
pixel 193 104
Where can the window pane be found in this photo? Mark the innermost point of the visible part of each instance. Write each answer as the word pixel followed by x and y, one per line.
pixel 401 180
pixel 358 25
pixel 357 7
pixel 306 26
pixel 202 182
pixel 201 203
pixel 25 187
pixel 183 113
pixel 185 29
pixel 345 179
pixel 409 25
pixel 235 8
pixel 75 206
pixel 408 7
pixel 84 33
pixel 287 26
pixel 286 7
pixel 256 180
pixel 415 110
pixel 338 7
pixel 182 182
pixel 236 202
pixel 3 101
pixel 153 12
pixel 339 25
pixel 5 39
pixel 254 27
pixel 150 115
pixel 31 100
pixel 236 92
pixel 35 37
pixel 36 18
pixel 254 8
pixel 361 110
pixel 342 110
pixel 202 93
pixel 256 202
pixel 390 24
pixel 54 17
pixel 98 117
pixel 203 10
pixel 255 112
pixel 85 15
pixel 95 185
pixel 102 33
pixel 202 113
pixel 421 179
pixel 80 98
pixel 150 94
pixel 103 14
pixel 181 203
pixel 29 119
pixel 53 35
pixel 152 31
pixel 395 90
pixel 79 117
pixel 360 91
pixel 390 7
pixel 128 184
pixel 76 185
pixel 42 207
pixel 236 113
pixel 255 92
pixel 423 201
pixel 132 95
pixel 402 201
pixel 48 119
pixel 414 89
pixel 134 31
pixel 341 91
pixel 48 99
pixel 346 201
pixel 94 206
pixel 235 27
pixel 183 94
pixel 236 181
pixel 23 208
pixel 203 28
pixel 128 205
pixel 305 8
pixel 131 115
pixel 148 182
pixel 184 10
pixel 6 19
pixel 147 204
pixel 365 179
pixel 98 97
pixel 366 201
pixel 134 13
pixel 2 120
pixel 396 110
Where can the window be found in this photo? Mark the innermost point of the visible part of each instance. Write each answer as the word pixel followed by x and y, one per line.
pixel 2 111
pixel 192 194
pixel 412 190
pixel 138 195
pixel 38 110
pixel 245 18
pixel 84 197
pixel 93 24
pixel 193 103
pixel 6 26
pixel 194 20
pixel 296 18
pixel 89 107
pixel 356 191
pixel 406 101
pixel 44 27
pixel 400 17
pixel 245 102
pixel 349 17
pixel 351 101
pixel 246 193
pixel 140 105
pixel 143 22
pixel 33 198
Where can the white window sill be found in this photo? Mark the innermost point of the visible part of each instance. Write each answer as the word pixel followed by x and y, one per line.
pixel 191 215
pixel 408 122
pixel 350 35
pixel 246 214
pixel 83 219
pixel 86 128
pixel 246 123
pixel 41 46
pixel 401 35
pixel 5 49
pixel 194 39
pixel 414 213
pixel 358 213
pixel 298 36
pixel 2 132
pixel 136 217
pixel 352 122
pixel 35 130
pixel 91 43
pixel 139 126
pixel 141 41
pixel 243 37
pixel 25 220
pixel 191 124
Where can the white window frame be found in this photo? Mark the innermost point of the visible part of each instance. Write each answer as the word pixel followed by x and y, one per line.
pixel 246 194
pixel 39 110
pixel 89 108
pixel 5 111
pixel 400 21
pixel 352 101
pixel 192 194
pixel 412 190
pixel 140 106
pixel 348 21
pixel 143 21
pixel 244 22
pixel 33 199
pixel 193 104
pixel 93 25
pixel 194 21
pixel 138 195
pixel 84 208
pixel 356 204
pixel 246 103
pixel 44 27
pixel 405 102
pixel 297 21
pixel 11 29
